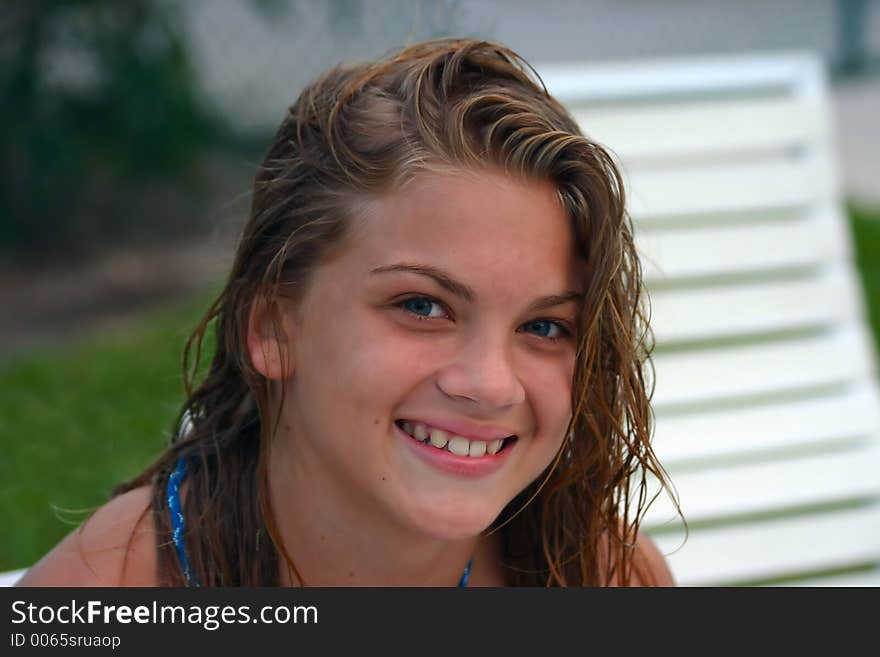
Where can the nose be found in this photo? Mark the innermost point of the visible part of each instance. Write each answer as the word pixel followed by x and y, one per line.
pixel 483 372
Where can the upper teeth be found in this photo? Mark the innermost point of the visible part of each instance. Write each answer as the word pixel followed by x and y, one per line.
pixel 451 442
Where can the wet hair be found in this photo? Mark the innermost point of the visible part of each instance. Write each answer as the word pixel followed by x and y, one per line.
pixel 362 130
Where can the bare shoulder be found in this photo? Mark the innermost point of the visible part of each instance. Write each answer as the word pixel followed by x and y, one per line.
pixel 115 546
pixel 649 566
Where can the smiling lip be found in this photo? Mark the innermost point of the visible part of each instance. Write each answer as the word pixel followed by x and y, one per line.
pixel 465 429
pixel 449 463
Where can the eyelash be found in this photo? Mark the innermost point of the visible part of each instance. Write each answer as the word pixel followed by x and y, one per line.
pixel 564 331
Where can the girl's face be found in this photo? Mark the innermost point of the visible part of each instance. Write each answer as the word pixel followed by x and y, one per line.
pixel 443 326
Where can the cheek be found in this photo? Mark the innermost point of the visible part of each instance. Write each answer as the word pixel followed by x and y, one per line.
pixel 386 371
pixel 549 388
pixel 366 364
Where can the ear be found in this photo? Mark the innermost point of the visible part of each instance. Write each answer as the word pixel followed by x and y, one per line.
pixel 269 340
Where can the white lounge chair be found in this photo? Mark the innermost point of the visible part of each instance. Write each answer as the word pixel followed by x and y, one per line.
pixel 767 406
pixel 11 577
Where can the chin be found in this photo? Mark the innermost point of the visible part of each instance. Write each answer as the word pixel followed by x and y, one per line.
pixel 454 520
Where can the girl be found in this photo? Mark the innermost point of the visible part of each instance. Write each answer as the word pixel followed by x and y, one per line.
pixel 430 363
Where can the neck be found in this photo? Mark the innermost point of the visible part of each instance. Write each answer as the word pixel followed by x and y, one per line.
pixel 340 539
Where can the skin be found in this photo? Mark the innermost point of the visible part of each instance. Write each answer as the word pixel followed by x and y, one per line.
pixel 370 344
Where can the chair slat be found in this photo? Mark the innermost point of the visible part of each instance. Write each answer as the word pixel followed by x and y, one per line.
pixel 751 370
pixel 770 306
pixel 829 477
pixel 846 413
pixel 734 250
pixel 774 548
pixel 792 73
pixel 750 186
pixel 704 127
pixel 9 578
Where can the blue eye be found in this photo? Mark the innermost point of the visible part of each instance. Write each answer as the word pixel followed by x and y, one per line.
pixel 427 308
pixel 423 307
pixel 545 328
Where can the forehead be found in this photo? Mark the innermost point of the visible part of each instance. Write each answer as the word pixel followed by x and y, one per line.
pixel 475 224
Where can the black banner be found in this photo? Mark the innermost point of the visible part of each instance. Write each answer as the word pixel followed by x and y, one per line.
pixel 177 621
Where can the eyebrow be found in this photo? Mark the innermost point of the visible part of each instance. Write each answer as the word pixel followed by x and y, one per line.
pixel 467 293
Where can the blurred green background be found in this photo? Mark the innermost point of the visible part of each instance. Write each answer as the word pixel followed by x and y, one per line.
pixel 130 133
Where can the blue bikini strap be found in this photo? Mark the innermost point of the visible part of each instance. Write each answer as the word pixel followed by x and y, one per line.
pixel 178 524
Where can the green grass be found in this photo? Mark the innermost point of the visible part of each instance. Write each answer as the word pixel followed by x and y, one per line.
pixel 866 236
pixel 75 421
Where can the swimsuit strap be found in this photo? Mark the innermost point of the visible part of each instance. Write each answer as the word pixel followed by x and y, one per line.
pixel 464 576
pixel 177 521
pixel 178 524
